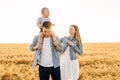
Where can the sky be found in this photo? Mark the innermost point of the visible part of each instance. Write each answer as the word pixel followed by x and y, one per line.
pixel 98 20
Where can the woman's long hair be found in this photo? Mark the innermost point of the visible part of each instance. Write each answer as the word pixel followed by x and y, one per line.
pixel 77 35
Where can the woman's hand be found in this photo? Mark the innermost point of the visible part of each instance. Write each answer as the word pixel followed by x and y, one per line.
pixel 70 43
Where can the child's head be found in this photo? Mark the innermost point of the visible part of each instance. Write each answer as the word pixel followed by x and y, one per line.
pixel 45 12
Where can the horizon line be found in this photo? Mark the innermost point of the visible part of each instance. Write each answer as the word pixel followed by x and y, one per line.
pixel 83 42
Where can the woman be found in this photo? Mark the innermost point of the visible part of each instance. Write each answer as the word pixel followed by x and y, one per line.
pixel 69 63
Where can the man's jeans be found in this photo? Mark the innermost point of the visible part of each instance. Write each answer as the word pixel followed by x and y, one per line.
pixel 45 72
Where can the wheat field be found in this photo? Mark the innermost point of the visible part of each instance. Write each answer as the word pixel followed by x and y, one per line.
pixel 100 61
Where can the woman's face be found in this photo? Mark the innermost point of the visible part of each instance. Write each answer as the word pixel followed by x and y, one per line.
pixel 72 30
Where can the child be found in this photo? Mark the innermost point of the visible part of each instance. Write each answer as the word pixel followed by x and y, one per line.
pixel 45 17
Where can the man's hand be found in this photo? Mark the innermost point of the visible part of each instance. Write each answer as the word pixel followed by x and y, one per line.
pixel 35 48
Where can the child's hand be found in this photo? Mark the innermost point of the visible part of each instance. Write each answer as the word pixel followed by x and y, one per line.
pixel 58 48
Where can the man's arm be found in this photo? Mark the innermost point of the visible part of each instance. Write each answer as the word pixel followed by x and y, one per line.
pixel 34 45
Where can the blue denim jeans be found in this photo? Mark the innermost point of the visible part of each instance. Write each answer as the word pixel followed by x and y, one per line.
pixel 45 72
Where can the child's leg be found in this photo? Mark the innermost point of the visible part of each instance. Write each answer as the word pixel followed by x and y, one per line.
pixel 54 38
pixel 40 39
pixel 55 41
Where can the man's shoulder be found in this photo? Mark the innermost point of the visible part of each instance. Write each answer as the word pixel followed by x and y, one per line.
pixel 36 36
pixel 65 37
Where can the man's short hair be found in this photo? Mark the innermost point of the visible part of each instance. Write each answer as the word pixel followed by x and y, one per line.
pixel 47 24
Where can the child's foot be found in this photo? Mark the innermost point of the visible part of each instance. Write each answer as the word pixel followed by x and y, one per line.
pixel 40 46
pixel 58 48
pixel 55 43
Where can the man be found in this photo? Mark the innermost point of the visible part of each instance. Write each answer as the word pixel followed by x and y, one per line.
pixel 48 56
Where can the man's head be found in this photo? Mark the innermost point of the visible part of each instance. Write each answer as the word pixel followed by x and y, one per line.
pixel 47 29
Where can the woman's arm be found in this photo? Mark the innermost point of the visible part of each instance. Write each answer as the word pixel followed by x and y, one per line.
pixel 76 48
pixel 63 44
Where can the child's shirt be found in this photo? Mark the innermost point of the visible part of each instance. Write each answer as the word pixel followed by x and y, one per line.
pixel 42 20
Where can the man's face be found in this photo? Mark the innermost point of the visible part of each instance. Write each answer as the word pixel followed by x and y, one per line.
pixel 46 32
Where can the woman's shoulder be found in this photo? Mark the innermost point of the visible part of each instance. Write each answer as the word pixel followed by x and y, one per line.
pixel 65 37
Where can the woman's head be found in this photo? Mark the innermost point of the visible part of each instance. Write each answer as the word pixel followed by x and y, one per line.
pixel 45 12
pixel 74 30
